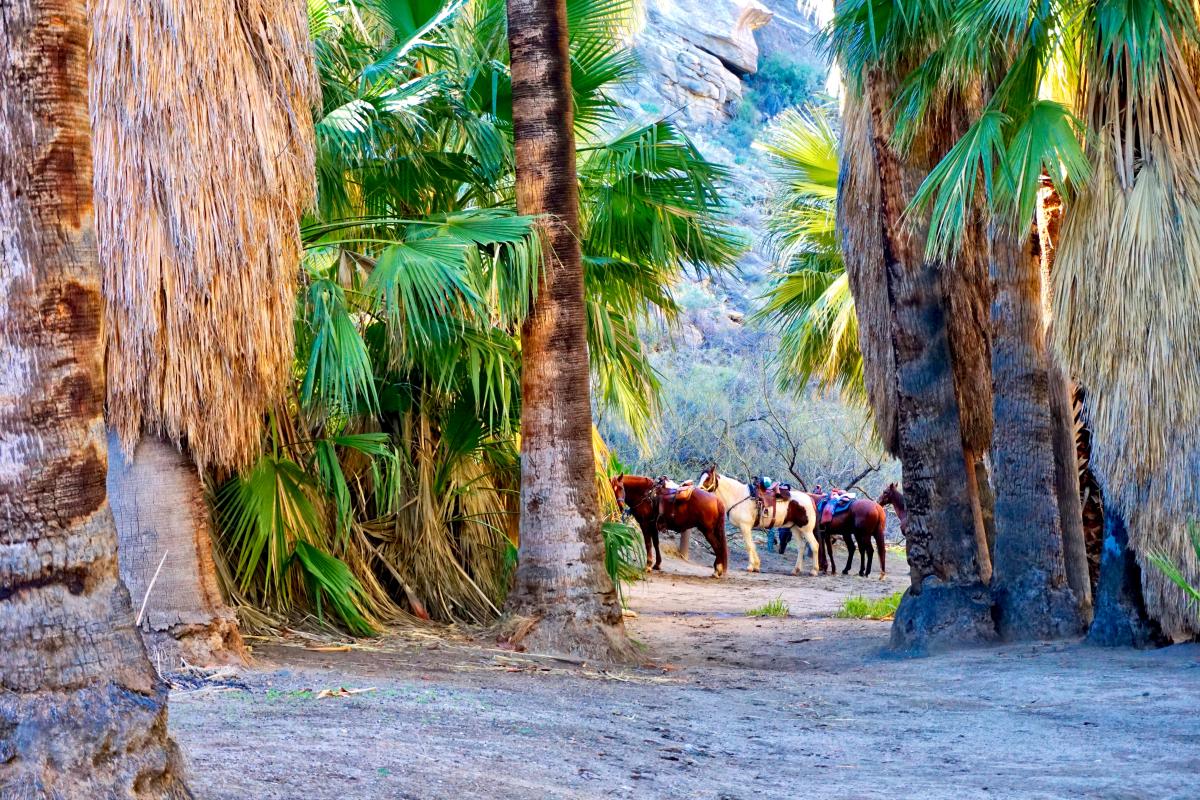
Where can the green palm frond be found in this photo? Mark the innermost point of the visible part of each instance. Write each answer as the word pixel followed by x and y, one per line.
pixel 624 555
pixel 1171 570
pixel 328 579
pixel 809 305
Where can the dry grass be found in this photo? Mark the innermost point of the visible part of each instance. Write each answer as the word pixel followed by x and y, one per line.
pixel 203 142
pixel 861 237
pixel 1127 321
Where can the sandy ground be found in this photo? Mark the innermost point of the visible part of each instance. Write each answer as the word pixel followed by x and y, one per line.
pixel 725 706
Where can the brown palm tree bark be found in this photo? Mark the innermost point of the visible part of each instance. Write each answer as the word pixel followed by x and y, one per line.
pixel 82 713
pixel 562 595
pixel 947 603
pixel 1033 597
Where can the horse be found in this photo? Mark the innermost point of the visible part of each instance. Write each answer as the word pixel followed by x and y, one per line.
pixel 635 493
pixel 683 508
pixel 642 497
pixel 894 497
pixel 862 521
pixel 798 516
pixel 743 513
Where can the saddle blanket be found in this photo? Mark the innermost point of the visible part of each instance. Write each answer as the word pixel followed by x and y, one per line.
pixel 832 504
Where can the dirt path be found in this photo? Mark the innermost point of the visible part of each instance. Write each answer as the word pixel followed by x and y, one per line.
pixel 727 706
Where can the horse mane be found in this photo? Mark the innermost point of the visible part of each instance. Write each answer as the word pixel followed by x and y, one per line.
pixel 636 488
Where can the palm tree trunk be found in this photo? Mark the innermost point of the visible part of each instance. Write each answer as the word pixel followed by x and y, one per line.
pixel 561 586
pixel 947 603
pixel 1033 597
pixel 165 544
pixel 1121 617
pixel 82 714
pixel 1067 468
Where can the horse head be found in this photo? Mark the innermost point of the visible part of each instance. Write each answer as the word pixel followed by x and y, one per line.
pixel 709 479
pixel 891 495
pixel 618 487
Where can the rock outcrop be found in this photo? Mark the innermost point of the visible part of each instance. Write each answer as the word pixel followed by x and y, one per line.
pixel 695 53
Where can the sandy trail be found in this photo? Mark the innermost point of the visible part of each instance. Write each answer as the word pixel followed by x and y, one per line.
pixel 726 706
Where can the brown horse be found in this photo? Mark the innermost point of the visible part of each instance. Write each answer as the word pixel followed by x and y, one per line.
pixel 689 507
pixel 894 497
pixel 863 522
pixel 636 493
pixel 656 511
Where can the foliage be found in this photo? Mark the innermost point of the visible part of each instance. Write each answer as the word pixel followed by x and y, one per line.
pixel 809 304
pixel 859 607
pixel 782 82
pixel 624 555
pixel 392 480
pixel 773 608
pixel 779 84
pixel 1174 574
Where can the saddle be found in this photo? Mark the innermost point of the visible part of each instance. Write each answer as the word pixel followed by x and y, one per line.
pixel 670 495
pixel 834 503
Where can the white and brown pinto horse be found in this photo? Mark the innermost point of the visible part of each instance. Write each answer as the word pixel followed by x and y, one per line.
pixel 745 513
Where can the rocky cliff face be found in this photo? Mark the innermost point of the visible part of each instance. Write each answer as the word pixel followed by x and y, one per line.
pixel 695 53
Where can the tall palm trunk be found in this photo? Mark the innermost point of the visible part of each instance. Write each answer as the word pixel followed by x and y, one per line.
pixel 561 585
pixel 1033 598
pixel 82 714
pixel 1068 469
pixel 947 603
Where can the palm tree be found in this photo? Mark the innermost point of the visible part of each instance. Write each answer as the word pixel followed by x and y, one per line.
pixel 934 304
pixel 561 585
pixel 1033 596
pixel 1137 217
pixel 204 164
pixel 810 304
pixel 389 481
pixel 84 714
pixel 1126 180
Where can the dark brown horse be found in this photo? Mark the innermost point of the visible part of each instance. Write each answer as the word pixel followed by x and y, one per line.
pixel 863 523
pixel 657 507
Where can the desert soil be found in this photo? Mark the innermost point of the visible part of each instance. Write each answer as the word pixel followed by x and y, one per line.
pixel 724 706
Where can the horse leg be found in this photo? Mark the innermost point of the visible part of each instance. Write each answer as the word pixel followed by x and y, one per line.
pixel 649 534
pixel 849 540
pixel 825 552
pixel 882 547
pixel 866 554
pixel 748 538
pixel 814 550
pixel 715 534
pixel 657 550
pixel 800 557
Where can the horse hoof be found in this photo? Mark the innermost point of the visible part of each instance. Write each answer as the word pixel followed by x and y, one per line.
pixel 814 573
pixel 882 575
pixel 796 571
pixel 658 568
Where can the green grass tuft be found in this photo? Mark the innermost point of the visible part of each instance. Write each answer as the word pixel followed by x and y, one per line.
pixel 859 607
pixel 775 608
